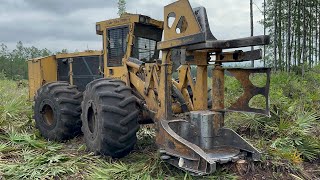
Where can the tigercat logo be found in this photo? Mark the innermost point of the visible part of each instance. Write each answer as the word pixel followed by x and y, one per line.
pixel 113 77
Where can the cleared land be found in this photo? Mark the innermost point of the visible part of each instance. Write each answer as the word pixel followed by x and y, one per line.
pixel 289 140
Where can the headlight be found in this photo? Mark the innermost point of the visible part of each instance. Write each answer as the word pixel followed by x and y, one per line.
pixel 98 27
pixel 142 19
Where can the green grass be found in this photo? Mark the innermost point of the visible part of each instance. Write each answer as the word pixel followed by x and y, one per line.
pixel 291 136
pixel 288 139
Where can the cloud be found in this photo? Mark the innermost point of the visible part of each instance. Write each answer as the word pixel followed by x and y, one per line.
pixel 62 7
pixel 59 24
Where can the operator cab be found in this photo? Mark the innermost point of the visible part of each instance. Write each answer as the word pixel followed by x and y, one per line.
pixel 132 36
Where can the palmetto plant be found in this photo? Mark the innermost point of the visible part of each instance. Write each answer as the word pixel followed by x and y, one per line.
pixel 289 132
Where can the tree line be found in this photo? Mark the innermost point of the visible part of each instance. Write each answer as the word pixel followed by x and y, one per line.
pixel 13 63
pixel 292 24
pixel 294 29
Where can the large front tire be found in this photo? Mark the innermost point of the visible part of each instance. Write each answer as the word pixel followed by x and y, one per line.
pixel 109 118
pixel 57 111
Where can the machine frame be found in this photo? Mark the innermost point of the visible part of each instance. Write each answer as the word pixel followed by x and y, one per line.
pixel 190 130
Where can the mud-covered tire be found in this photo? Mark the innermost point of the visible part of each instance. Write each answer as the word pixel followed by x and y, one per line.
pixel 57 111
pixel 109 118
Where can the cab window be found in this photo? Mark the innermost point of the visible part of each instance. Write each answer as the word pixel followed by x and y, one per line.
pixel 117 44
pixel 145 44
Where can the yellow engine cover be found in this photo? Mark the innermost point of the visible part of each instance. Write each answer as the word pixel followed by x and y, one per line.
pixel 41 71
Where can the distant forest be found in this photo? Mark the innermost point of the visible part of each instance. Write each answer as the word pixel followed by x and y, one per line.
pixel 294 28
pixel 293 25
pixel 13 62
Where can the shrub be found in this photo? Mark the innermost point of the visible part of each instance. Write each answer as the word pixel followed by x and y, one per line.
pixel 289 133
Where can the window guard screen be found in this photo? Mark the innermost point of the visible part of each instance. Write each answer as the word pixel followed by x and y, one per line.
pixel 145 42
pixel 117 45
pixel 145 49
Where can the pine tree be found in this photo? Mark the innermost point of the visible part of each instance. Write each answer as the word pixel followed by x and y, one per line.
pixel 294 27
pixel 121 7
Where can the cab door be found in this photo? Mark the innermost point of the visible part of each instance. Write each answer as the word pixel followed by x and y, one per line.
pixel 116 48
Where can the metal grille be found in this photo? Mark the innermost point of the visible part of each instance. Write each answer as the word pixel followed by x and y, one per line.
pixel 85 69
pixel 145 49
pixel 117 45
pixel 146 38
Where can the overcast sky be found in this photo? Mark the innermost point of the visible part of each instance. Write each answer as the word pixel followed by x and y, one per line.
pixel 70 24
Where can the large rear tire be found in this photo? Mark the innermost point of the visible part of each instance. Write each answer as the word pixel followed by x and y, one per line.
pixel 57 111
pixel 109 118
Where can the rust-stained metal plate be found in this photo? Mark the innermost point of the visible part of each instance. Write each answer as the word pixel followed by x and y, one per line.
pixel 229 44
pixel 250 90
pixel 239 56
pixel 183 41
pixel 193 146
pixel 185 28
pixel 180 11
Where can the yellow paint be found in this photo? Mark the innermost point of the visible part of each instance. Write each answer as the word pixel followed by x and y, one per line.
pixel 120 72
pixel 34 78
pixel 155 88
pixel 200 94
pixel 181 9
pixel 41 71
pixel 165 87
pixel 79 54
pixel 185 79
pixel 126 19
pixel 151 100
pixel 71 71
pixel 44 69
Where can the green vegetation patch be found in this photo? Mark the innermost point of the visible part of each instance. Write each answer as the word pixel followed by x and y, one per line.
pixel 289 140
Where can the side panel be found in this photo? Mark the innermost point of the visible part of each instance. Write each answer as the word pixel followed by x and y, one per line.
pixel 117 73
pixel 49 69
pixel 63 70
pixel 41 71
pixel 34 77
pixel 116 42
pixel 117 45
pixel 84 70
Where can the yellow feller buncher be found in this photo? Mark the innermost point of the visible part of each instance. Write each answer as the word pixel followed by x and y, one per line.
pixel 106 95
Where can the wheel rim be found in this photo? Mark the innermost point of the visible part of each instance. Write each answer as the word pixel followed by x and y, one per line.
pixel 91 120
pixel 48 115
